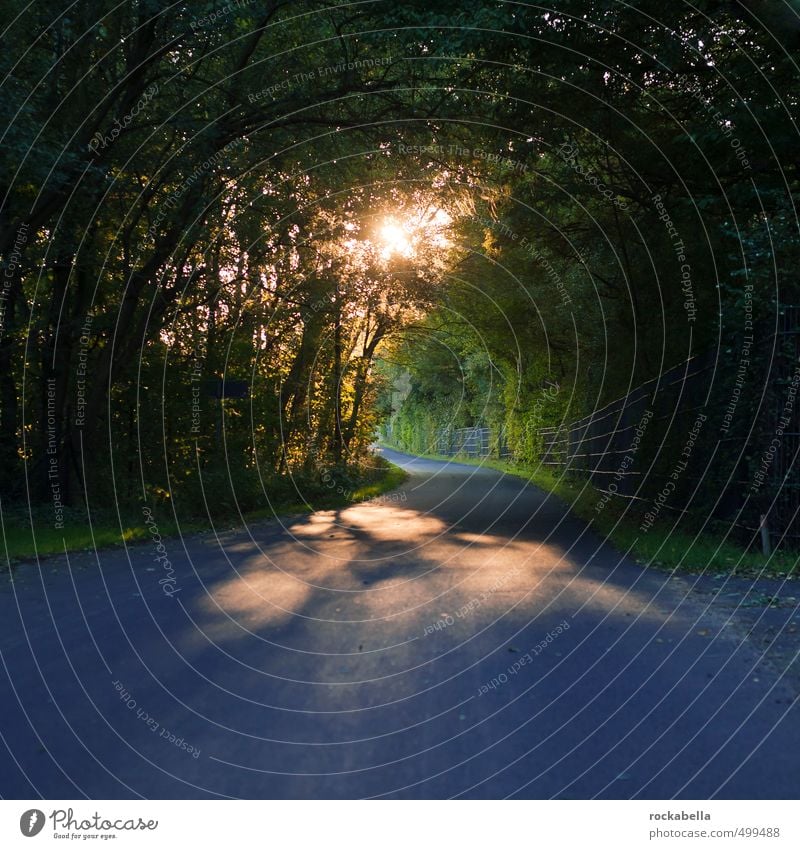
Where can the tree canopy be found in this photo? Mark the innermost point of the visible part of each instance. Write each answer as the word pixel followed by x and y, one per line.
pixel 582 196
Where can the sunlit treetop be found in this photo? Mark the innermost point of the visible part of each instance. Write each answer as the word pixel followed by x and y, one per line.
pixel 412 233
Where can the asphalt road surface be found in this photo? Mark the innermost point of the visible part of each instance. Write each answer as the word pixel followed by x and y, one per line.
pixel 463 637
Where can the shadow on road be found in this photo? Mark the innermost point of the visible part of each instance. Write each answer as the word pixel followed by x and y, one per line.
pixel 470 639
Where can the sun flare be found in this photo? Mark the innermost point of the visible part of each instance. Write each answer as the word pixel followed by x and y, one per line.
pixel 405 237
pixel 395 239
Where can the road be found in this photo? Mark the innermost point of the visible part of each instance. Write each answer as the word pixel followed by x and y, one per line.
pixel 464 636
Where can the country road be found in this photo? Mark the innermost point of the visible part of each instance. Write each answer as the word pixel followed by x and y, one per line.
pixel 464 636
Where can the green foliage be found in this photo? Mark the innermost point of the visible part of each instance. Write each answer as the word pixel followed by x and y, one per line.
pixel 185 190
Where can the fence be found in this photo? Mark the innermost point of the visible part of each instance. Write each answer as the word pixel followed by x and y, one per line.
pixel 665 408
pixel 675 446
pixel 465 441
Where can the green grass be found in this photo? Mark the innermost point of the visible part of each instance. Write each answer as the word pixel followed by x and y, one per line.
pixel 660 547
pixel 393 478
pixel 27 535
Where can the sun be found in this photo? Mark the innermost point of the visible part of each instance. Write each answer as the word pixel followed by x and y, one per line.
pixel 395 238
pixel 414 233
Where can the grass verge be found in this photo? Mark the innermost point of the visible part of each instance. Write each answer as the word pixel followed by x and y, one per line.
pixel 30 534
pixel 661 547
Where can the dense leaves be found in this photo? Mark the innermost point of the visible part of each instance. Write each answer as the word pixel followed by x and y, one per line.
pixel 193 190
